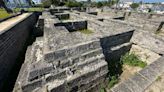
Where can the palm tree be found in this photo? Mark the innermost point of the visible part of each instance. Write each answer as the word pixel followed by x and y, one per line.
pixel 20 3
pixel 3 4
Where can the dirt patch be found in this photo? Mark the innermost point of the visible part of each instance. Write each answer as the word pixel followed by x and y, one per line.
pixel 128 71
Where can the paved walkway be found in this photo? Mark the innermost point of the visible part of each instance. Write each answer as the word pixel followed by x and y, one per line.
pixel 10 22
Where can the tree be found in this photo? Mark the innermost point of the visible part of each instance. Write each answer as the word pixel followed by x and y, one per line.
pixel 46 3
pixel 55 2
pixel 73 4
pixel 2 4
pixel 134 5
pixel 30 2
pixel 99 4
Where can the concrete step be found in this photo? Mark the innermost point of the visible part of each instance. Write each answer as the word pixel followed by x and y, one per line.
pixel 84 75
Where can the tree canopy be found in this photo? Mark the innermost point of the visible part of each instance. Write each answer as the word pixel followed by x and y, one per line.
pixel 73 4
pixel 134 5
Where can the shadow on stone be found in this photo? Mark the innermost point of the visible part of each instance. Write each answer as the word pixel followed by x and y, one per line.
pixel 113 48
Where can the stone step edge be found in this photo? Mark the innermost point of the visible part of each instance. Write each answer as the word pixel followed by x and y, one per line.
pixel 50 67
pixel 77 59
pixel 39 82
pixel 91 70
pixel 73 68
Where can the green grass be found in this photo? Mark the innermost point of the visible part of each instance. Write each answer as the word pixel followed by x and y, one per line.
pixel 35 9
pixel 3 14
pixel 39 9
pixel 86 31
pixel 132 60
pixel 114 80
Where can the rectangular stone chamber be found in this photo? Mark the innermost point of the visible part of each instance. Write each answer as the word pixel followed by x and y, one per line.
pixel 73 26
pixel 62 16
pixel 76 61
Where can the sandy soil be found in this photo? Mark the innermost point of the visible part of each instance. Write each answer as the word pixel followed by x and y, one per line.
pixel 128 71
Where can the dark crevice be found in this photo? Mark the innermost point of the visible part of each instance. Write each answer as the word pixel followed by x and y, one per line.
pixel 113 57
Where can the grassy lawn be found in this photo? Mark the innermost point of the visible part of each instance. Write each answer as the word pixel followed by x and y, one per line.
pixel 3 14
pixel 35 9
pixel 29 9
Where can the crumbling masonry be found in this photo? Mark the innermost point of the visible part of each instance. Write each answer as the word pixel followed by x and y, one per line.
pixel 66 60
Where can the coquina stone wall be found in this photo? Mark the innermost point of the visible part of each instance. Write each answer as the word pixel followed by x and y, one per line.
pixel 12 42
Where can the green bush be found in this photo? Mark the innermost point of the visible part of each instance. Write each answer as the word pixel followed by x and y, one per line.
pixel 132 60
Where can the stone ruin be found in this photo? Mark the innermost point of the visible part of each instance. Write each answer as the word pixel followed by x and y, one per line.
pixel 67 60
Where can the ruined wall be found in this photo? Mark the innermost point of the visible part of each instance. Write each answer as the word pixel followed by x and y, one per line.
pixel 143 15
pixel 11 43
pixel 62 16
pixel 145 21
pixel 74 25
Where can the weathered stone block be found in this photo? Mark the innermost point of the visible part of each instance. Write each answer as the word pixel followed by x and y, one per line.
pixel 149 73
pixel 140 81
pixel 121 88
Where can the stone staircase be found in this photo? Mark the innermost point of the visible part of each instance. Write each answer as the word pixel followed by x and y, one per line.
pixel 71 72
pixel 61 61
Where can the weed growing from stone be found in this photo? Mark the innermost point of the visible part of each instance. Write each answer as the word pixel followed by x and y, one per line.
pixel 102 90
pixel 132 60
pixel 157 32
pixel 114 80
pixel 86 31
pixel 159 78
